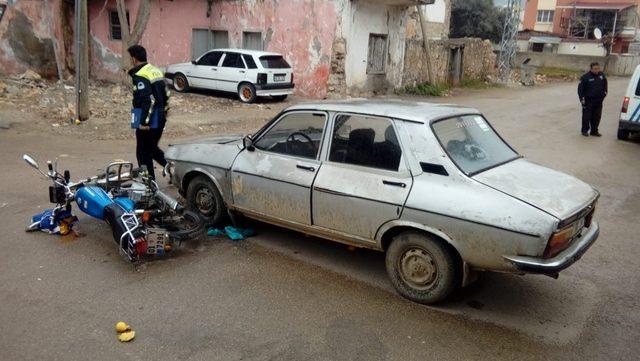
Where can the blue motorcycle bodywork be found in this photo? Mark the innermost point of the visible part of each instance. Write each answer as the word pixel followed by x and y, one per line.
pixel 92 201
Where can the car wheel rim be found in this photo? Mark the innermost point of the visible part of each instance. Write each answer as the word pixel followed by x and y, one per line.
pixel 180 83
pixel 205 201
pixel 246 93
pixel 418 268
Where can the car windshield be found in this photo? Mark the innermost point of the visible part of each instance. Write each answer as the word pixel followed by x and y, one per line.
pixel 472 143
pixel 274 62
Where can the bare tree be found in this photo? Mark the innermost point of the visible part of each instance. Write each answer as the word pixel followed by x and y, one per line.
pixel 132 36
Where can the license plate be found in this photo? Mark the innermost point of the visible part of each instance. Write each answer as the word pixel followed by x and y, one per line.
pixel 279 77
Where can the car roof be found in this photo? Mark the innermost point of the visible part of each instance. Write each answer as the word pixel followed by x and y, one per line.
pixel 398 109
pixel 247 51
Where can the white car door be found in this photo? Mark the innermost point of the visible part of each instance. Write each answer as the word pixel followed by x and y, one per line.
pixel 272 179
pixel 231 72
pixel 205 72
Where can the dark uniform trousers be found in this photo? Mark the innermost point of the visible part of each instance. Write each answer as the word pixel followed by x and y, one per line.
pixel 591 114
pixel 147 149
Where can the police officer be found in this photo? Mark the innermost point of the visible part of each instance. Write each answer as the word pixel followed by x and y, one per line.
pixel 150 107
pixel 592 90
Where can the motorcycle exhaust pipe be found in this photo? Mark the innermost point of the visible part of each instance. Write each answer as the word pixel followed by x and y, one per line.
pixel 169 201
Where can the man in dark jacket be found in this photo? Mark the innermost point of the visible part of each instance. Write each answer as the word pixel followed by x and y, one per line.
pixel 592 90
pixel 150 107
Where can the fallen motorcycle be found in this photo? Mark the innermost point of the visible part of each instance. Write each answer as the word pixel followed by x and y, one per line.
pixel 145 221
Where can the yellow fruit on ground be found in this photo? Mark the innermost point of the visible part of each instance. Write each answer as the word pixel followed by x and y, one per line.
pixel 127 336
pixel 121 326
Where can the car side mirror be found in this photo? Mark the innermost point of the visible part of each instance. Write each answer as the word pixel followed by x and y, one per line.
pixel 247 143
pixel 194 62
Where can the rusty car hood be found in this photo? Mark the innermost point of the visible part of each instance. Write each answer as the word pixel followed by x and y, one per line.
pixel 556 193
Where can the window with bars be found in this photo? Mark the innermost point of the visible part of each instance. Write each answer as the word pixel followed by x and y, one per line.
pixel 545 16
pixel 115 28
pixel 377 57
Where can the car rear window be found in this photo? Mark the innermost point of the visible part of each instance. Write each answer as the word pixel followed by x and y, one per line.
pixel 274 62
pixel 472 143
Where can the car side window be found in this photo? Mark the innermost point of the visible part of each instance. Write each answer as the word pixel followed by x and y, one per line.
pixel 298 134
pixel 638 88
pixel 365 141
pixel 248 59
pixel 210 59
pixel 233 60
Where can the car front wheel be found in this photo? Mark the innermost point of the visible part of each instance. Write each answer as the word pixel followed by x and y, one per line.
pixel 180 83
pixel 247 93
pixel 204 198
pixel 422 268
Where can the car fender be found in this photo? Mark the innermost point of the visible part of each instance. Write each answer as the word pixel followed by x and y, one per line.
pixel 409 224
pixel 201 170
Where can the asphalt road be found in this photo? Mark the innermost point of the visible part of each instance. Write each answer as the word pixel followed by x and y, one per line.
pixel 284 296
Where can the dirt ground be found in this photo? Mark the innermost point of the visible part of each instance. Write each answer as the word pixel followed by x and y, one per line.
pixel 283 296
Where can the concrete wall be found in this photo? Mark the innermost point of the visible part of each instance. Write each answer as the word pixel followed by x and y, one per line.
pixel 302 30
pixel 478 61
pixel 28 31
pixel 576 62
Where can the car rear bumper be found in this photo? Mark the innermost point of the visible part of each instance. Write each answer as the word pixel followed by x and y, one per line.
pixel 633 126
pixel 566 258
pixel 274 89
pixel 169 75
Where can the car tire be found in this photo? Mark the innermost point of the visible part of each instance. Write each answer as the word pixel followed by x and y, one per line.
pixel 204 198
pixel 623 134
pixel 280 98
pixel 247 93
pixel 422 268
pixel 180 83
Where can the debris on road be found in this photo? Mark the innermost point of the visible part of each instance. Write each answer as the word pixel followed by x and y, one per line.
pixel 125 333
pixel 233 233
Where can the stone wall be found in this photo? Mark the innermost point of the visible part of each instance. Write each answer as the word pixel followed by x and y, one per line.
pixel 621 65
pixel 478 61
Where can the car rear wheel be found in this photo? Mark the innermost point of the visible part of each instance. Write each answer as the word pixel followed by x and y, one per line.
pixel 204 198
pixel 623 134
pixel 247 93
pixel 180 83
pixel 422 268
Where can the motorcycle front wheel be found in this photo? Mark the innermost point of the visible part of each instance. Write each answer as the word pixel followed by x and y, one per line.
pixel 186 226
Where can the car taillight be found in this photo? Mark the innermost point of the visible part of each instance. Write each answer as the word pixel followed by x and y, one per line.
pixel 625 104
pixel 262 78
pixel 291 78
pixel 558 242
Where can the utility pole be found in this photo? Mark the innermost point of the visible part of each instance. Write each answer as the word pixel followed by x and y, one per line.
pixel 427 49
pixel 82 61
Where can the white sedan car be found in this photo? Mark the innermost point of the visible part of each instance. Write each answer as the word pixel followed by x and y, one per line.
pixel 248 73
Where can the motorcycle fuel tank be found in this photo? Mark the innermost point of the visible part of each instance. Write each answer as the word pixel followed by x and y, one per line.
pixel 92 201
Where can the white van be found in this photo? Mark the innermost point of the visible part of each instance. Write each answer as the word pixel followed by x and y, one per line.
pixel 248 73
pixel 630 114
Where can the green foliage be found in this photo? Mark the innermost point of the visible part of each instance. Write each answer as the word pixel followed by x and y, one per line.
pixel 477 19
pixel 552 72
pixel 424 89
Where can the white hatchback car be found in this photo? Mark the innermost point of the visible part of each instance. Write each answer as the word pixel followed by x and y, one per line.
pixel 248 73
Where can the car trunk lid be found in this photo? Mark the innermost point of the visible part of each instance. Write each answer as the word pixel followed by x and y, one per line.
pixel 556 193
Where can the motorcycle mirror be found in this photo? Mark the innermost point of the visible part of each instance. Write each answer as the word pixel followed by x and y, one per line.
pixel 32 162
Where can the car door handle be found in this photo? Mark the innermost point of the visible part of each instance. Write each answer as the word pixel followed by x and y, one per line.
pixel 306 167
pixel 242 71
pixel 395 184
pixel 214 69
